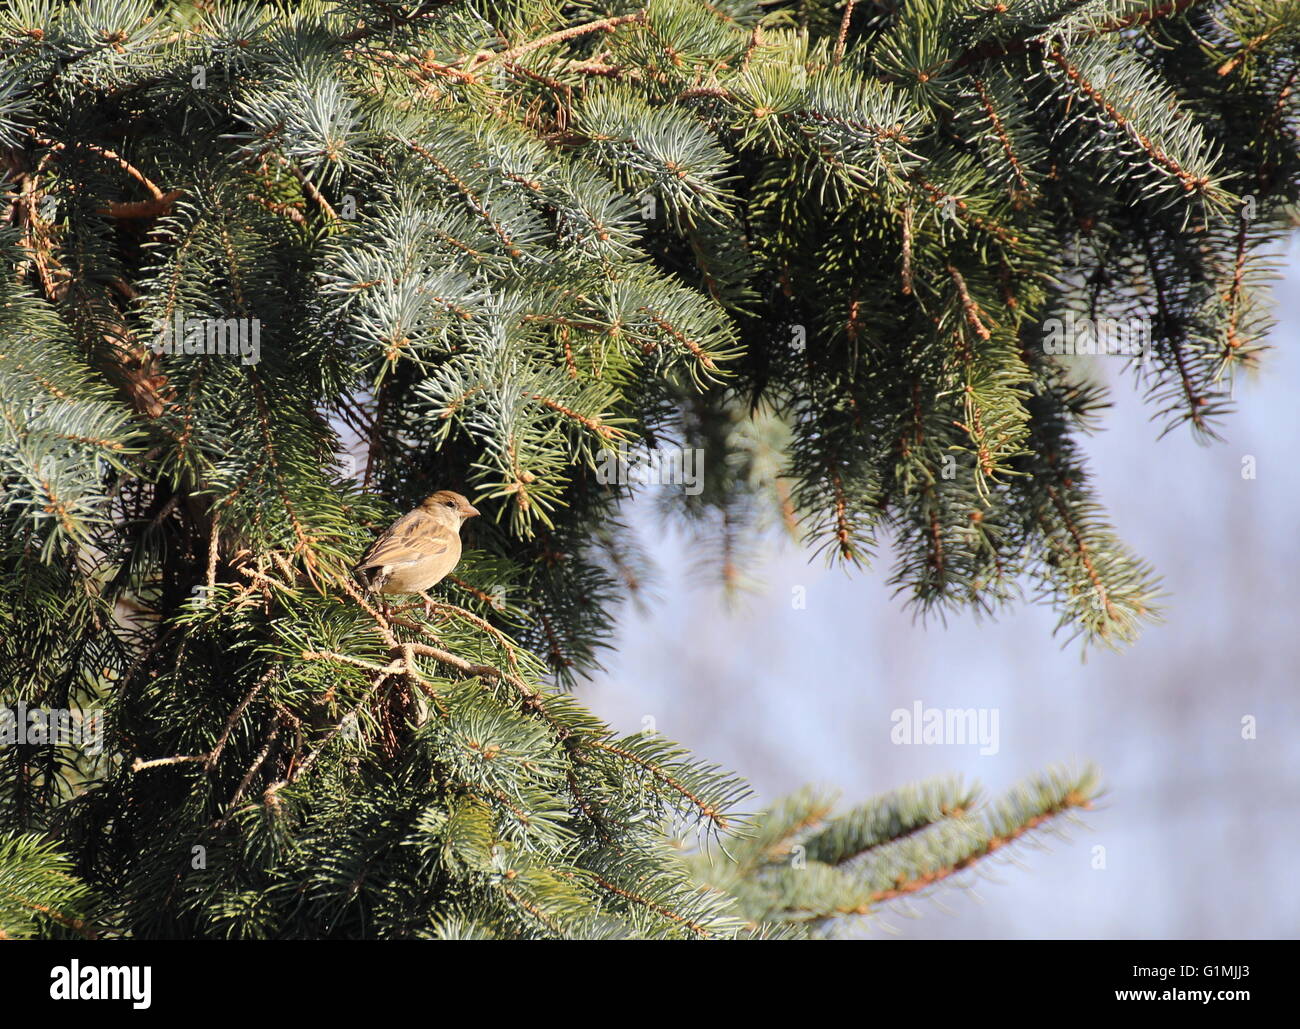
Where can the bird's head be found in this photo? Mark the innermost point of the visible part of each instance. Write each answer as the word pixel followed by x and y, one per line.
pixel 445 501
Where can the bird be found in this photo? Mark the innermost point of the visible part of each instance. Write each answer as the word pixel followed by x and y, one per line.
pixel 418 550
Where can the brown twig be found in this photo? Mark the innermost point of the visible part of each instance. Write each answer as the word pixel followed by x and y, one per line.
pixel 968 305
pixel 308 187
pixel 603 25
pixel 140 764
pixel 213 756
pixel 842 38
pixel 907 250
pixel 260 760
pixel 905 887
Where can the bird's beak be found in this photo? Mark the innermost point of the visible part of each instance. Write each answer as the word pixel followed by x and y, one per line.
pixel 471 511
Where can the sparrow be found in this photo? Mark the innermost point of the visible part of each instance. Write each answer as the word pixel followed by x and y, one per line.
pixel 419 549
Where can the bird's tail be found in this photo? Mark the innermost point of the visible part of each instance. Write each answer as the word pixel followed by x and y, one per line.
pixel 372 578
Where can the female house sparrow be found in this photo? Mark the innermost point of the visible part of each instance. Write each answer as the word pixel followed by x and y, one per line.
pixel 418 549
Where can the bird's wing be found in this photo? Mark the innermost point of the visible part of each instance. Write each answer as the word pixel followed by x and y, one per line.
pixel 413 537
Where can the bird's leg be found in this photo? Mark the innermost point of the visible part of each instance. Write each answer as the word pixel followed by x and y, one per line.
pixel 428 604
pixel 371 591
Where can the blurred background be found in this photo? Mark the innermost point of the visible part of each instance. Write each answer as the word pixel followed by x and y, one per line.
pixel 1200 826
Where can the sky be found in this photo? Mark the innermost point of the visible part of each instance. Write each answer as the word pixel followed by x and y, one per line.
pixel 1199 826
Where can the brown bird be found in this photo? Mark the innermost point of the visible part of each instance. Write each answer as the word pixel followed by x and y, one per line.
pixel 419 549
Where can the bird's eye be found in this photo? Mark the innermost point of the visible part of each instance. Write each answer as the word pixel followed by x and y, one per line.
pixel 449 503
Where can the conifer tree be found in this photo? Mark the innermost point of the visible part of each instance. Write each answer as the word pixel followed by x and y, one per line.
pixel 275 272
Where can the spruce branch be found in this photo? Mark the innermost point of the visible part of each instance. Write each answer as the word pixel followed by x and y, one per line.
pixel 572 32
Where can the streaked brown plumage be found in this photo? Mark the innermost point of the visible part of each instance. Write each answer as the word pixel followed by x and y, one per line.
pixel 418 549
